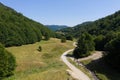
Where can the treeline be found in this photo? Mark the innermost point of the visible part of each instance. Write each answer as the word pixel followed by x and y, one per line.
pixel 105 33
pixel 16 29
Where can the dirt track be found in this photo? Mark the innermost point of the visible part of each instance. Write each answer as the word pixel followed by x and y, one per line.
pixel 74 72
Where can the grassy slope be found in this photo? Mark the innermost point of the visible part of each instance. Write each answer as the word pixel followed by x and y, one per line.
pixel 45 65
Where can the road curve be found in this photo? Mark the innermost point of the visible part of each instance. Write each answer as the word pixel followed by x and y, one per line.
pixel 74 72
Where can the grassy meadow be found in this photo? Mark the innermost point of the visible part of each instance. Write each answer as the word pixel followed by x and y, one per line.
pixel 44 65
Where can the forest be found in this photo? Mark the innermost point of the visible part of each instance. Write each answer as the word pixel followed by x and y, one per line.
pixel 16 29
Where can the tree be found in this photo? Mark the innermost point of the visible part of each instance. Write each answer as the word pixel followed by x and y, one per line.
pixel 47 36
pixel 7 63
pixel 84 46
pixel 99 42
pixel 63 39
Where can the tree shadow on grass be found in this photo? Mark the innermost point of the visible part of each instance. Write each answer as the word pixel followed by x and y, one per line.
pixel 69 55
pixel 100 66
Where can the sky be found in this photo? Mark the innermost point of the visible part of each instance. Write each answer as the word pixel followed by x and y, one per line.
pixel 64 12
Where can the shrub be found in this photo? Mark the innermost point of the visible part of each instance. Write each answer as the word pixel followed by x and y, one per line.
pixel 39 49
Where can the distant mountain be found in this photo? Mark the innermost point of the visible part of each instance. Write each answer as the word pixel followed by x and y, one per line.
pixel 56 27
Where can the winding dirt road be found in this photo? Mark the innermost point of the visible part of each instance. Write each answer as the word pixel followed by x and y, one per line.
pixel 74 72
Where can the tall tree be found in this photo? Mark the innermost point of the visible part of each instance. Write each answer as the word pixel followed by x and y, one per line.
pixel 84 46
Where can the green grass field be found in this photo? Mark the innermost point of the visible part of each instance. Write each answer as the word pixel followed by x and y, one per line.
pixel 45 65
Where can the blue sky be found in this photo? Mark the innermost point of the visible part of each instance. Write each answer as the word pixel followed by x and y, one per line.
pixel 64 12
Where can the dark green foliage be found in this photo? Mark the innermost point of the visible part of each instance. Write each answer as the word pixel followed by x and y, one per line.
pixel 16 29
pixel 63 39
pixel 113 47
pixel 7 63
pixel 69 37
pixel 84 46
pixel 39 49
pixel 99 42
pixel 47 36
pixel 58 35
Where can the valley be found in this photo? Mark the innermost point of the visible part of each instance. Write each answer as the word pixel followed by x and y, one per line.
pixel 83 43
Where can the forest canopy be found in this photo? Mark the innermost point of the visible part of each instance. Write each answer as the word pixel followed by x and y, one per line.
pixel 16 29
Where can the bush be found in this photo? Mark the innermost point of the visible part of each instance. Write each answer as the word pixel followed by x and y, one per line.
pixel 7 63
pixel 39 49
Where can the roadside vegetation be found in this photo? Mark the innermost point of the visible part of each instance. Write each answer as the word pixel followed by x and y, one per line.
pixel 102 70
pixel 44 65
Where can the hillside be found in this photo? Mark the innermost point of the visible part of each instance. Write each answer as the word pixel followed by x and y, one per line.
pixel 16 29
pixel 101 26
pixel 105 34
pixel 75 30
pixel 56 27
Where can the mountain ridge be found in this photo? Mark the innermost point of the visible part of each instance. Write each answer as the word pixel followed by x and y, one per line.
pixel 56 27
